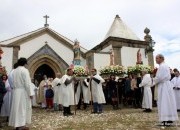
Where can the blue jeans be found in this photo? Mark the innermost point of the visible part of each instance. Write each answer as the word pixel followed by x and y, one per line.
pixel 97 107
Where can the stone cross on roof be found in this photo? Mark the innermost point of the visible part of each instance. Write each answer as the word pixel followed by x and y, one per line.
pixel 46 24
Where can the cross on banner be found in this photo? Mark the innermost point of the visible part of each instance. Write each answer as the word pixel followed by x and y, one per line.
pixel 46 24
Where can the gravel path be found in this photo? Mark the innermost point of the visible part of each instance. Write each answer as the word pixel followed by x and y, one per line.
pixel 122 119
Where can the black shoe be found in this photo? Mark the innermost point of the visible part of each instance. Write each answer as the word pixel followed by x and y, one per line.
pixel 65 114
pixel 145 110
pixel 149 110
pixel 100 112
pixel 84 106
pixel 94 112
pixel 170 122
pixel 115 107
pixel 78 108
pixel 163 123
pixel 70 114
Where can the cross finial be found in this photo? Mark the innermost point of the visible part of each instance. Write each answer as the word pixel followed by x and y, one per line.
pixel 46 24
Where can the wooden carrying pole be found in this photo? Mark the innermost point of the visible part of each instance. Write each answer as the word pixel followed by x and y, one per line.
pixel 91 95
pixel 117 87
pixel 74 101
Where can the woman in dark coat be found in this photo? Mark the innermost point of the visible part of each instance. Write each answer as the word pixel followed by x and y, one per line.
pixel 112 85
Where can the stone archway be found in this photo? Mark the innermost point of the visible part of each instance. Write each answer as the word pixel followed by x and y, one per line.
pixel 48 59
pixel 43 70
pixel 47 62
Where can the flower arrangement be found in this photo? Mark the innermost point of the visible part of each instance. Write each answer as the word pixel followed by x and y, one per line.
pixel 113 69
pixel 80 71
pixel 131 69
pixel 139 68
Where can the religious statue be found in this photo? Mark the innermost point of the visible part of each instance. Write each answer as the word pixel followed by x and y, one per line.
pixel 139 57
pixel 87 69
pixel 111 57
pixel 1 52
pixel 76 49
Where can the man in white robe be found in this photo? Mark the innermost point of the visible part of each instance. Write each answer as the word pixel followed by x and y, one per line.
pixel 21 109
pixel 56 84
pixel 68 96
pixel 167 111
pixel 176 86
pixel 97 91
pixel 82 89
pixel 10 76
pixel 147 96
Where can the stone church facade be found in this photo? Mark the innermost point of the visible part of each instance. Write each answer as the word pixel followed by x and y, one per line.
pixel 49 52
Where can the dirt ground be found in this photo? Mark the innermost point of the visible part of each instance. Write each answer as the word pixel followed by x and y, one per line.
pixel 121 119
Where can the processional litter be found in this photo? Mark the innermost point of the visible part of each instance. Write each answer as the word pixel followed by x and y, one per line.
pixel 80 72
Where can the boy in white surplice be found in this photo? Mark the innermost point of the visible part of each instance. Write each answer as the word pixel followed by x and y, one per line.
pixel 147 96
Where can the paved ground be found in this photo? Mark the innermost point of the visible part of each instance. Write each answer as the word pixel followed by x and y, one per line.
pixel 123 119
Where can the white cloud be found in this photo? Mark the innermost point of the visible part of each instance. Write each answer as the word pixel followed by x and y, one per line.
pixel 172 60
pixel 170 49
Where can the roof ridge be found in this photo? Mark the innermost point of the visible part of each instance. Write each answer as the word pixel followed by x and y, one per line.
pixel 59 34
pixel 22 35
pixel 64 36
pixel 119 29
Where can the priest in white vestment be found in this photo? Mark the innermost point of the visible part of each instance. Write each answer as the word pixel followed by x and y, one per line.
pixel 167 111
pixel 147 96
pixel 97 91
pixel 21 109
pixel 56 84
pixel 176 86
pixel 42 90
pixel 68 96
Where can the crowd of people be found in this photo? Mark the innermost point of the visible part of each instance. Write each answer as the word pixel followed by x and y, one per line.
pixel 18 94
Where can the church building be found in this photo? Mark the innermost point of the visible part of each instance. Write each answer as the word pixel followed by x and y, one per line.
pixel 49 52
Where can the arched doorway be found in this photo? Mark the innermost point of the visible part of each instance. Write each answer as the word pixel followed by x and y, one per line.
pixel 44 69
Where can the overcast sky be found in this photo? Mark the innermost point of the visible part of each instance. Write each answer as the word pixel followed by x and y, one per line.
pixel 89 20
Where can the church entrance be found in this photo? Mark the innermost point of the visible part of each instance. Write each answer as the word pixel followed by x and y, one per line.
pixel 43 70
